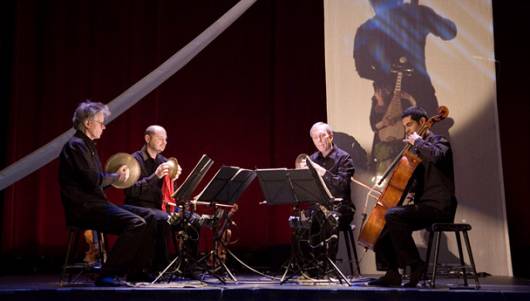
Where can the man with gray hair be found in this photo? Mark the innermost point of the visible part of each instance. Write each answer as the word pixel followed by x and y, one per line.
pixel 335 166
pixel 82 180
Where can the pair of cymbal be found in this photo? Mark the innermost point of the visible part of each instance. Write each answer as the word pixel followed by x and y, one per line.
pixel 118 160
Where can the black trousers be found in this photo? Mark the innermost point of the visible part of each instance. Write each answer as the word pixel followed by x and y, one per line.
pixel 161 232
pixel 133 250
pixel 395 247
pixel 346 216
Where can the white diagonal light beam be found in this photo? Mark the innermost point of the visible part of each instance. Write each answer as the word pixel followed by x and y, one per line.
pixel 129 97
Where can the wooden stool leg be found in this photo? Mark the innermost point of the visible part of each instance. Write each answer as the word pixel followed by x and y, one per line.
pixel 470 254
pixel 461 256
pixel 102 248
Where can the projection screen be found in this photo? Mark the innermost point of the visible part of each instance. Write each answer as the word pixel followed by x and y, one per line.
pixel 449 60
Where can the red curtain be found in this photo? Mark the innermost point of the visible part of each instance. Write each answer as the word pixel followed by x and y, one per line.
pixel 247 100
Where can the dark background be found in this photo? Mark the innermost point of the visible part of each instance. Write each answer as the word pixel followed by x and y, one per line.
pixel 248 100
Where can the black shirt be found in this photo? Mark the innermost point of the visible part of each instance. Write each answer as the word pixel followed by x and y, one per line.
pixel 81 175
pixel 339 170
pixel 147 191
pixel 433 179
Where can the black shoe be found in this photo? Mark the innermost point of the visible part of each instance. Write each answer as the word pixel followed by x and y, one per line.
pixel 416 274
pixel 141 277
pixel 392 278
pixel 193 275
pixel 109 281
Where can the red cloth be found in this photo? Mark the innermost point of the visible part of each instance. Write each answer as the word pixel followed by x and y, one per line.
pixel 167 191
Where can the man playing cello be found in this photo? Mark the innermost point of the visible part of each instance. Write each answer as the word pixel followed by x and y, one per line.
pixel 433 190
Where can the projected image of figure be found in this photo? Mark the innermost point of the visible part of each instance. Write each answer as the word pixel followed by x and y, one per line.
pixel 389 49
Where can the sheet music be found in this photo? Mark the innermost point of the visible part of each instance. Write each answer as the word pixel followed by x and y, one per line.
pixel 328 193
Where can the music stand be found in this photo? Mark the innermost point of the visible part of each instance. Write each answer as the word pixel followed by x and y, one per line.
pixel 227 185
pixel 292 186
pixel 185 190
pixel 183 193
pixel 224 188
pixel 295 186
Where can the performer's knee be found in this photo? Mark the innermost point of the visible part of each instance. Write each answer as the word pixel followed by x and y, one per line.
pixel 393 215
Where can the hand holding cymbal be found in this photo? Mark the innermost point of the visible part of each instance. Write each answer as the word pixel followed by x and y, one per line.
pixel 174 169
pixel 162 170
pixel 301 161
pixel 124 173
pixel 126 166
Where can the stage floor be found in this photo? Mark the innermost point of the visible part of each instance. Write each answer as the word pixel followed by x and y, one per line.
pixel 46 287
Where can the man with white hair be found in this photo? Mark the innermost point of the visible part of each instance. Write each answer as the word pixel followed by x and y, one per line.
pixel 82 180
pixel 335 166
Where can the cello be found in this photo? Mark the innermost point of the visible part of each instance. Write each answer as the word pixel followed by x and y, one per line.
pixel 402 169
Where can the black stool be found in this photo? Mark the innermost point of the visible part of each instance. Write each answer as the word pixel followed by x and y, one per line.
pixel 438 229
pixel 80 267
pixel 350 244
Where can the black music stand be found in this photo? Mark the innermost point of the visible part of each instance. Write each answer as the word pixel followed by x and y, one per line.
pixel 185 190
pixel 222 191
pixel 296 186
pixel 183 194
pixel 227 185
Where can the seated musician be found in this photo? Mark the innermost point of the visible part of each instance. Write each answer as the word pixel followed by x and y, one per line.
pixel 82 180
pixel 432 185
pixel 147 191
pixel 335 166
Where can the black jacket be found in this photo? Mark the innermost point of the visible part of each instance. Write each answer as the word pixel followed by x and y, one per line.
pixel 339 166
pixel 81 175
pixel 433 180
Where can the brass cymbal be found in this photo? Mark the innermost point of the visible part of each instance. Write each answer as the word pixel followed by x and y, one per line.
pixel 118 160
pixel 173 167
pixel 300 161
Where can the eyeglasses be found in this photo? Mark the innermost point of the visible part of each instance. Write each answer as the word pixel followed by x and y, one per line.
pixel 101 123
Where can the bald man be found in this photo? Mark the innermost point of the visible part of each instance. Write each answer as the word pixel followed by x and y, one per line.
pixel 147 191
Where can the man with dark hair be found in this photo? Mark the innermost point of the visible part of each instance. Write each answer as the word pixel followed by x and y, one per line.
pixel 431 191
pixel 82 180
pixel 415 113
pixel 147 191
